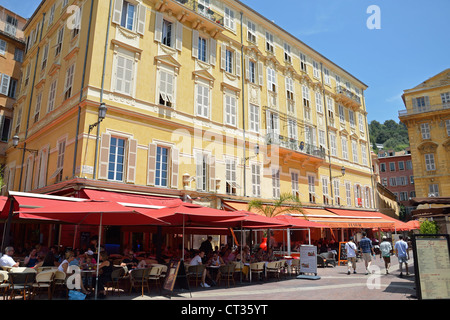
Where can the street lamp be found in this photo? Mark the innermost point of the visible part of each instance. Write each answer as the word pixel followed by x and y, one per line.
pixel 342 173
pixel 15 141
pixel 101 115
pixel 256 151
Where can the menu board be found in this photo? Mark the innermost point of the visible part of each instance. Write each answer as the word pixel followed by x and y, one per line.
pixel 308 259
pixel 432 267
pixel 342 253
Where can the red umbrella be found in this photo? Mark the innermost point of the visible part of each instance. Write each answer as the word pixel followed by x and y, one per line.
pixel 298 222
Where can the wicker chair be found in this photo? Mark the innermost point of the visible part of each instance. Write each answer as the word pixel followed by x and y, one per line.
pixel 44 280
pixel 195 273
pixel 226 272
pixel 258 268
pixel 138 279
pixel 21 280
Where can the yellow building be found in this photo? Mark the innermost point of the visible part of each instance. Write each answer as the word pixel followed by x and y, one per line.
pixel 427 117
pixel 205 99
pixel 11 56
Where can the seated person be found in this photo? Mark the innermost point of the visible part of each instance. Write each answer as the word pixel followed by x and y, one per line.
pixel 65 265
pixel 130 261
pixel 197 260
pixel 31 260
pixel 6 260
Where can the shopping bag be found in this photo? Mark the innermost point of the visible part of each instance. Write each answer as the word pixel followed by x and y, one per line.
pixel 76 295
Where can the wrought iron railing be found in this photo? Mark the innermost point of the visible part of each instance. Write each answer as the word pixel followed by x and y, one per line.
pixel 199 8
pixel 424 109
pixel 295 145
pixel 348 93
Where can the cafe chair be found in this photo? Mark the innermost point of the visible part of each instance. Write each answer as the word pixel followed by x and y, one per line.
pixel 195 273
pixel 295 266
pixel 226 272
pixel 238 267
pixel 116 276
pixel 138 279
pixel 258 268
pixel 154 275
pixel 4 283
pixel 273 268
pixel 59 282
pixel 21 280
pixel 44 280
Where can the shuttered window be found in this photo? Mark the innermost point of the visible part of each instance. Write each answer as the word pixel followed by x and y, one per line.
pixel 124 75
pixel 203 100
pixel 230 110
pixel 116 159
pixel 162 167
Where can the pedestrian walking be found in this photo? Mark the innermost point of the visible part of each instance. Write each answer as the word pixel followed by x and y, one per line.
pixel 401 251
pixel 385 253
pixel 350 248
pixel 367 250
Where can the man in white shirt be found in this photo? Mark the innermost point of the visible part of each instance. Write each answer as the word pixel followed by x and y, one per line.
pixel 350 248
pixel 6 260
pixel 197 260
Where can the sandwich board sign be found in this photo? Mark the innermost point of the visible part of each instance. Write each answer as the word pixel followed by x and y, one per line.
pixel 308 262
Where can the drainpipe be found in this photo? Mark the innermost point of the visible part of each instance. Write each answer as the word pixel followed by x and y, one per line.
pixel 243 103
pixel 29 105
pixel 81 93
pixel 102 88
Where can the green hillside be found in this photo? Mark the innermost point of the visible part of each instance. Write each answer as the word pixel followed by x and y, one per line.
pixel 390 134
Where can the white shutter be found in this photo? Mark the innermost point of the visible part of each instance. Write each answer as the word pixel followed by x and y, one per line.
pixel 179 38
pixel 175 168
pixel 247 68
pixel 4 84
pixel 142 12
pixel 223 56
pixel 158 26
pixel 212 51
pixel 132 160
pixel 260 73
pixel 151 167
pixel 238 63
pixel 104 156
pixel 212 174
pixel 195 37
pixel 199 171
pixel 117 15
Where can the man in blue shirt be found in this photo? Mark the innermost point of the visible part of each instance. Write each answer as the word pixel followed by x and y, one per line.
pixel 401 251
pixel 366 248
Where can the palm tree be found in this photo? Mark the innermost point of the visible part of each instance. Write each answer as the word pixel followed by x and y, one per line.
pixel 287 203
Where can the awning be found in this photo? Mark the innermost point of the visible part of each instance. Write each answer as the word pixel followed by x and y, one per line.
pixel 131 200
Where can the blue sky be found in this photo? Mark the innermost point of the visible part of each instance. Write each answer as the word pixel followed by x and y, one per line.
pixel 412 45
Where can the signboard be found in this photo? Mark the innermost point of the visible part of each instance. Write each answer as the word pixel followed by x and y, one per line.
pixel 432 266
pixel 342 258
pixel 176 273
pixel 308 259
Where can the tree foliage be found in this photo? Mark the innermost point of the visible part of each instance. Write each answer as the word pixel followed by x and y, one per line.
pixel 390 134
pixel 429 227
pixel 287 203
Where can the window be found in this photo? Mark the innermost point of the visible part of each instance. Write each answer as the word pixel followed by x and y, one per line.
pixel 116 159
pixel 229 61
pixel 311 188
pixel 69 82
pixel 302 62
pixel 202 49
pixel 306 98
pixel 18 120
pixel 269 42
pixel 287 53
pixel 327 78
pixel 5 128
pixel 292 129
pixel 319 104
pixel 52 96
pixel 2 47
pixel 229 19
pixel 385 182
pixel 59 42
pixel 162 166
pixel 425 130
pixel 411 179
pixel 18 55
pixel 364 154
pixel 391 166
pixel 383 167
pixel 44 57
pixel 341 114
pixel 445 97
pixel 429 162
pixel 167 33
pixel 393 182
pixel 254 118
pixel 52 15
pixel 275 183
pixel 333 144
pixel 326 197
pixel 256 180
pixel 128 14
pixel 289 88
pixel 37 109
pixel 322 142
pixel 348 193
pixel 124 75
pixel 344 147
pixel 330 109
pixel 251 31
pixel 230 176
pixel 355 151
pixel 421 103
pixel 166 88
pixel 271 80
pixel 60 160
pixel 433 190
pixel 294 184
pixel 272 124
pixel 252 71
pixel 202 166
pixel 412 194
pixel 361 123
pixel 409 165
pixel 316 70
pixel 5 84
pixel 337 197
pixel 203 100
pixel 447 125
pixel 230 110
pixel 351 116
pixel 11 25
pixel 401 165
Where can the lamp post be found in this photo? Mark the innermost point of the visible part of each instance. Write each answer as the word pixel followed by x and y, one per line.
pixel 101 115
pixel 15 141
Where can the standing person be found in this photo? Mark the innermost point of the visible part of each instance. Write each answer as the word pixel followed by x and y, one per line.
pixel 6 260
pixel 367 250
pixel 350 248
pixel 401 251
pixel 385 253
pixel 207 247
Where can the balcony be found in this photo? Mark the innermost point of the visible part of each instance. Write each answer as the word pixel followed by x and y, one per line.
pixel 424 109
pixel 192 11
pixel 347 98
pixel 294 145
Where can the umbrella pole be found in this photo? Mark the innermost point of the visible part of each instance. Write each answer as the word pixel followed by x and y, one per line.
pixel 182 251
pixel 98 253
pixel 242 255
pixel 288 236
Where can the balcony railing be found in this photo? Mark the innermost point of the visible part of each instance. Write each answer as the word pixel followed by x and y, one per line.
pixel 348 93
pixel 424 109
pixel 295 145
pixel 199 8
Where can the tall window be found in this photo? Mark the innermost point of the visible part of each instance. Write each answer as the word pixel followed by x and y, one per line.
pixel 351 116
pixel 128 14
pixel 256 180
pixel 251 31
pixel 447 125
pixel 445 97
pixel 202 171
pixel 333 144
pixel 230 176
pixel 433 190
pixel 124 75
pixel 116 159
pixel 294 184
pixel 355 151
pixel 327 78
pixel 162 166
pixel 287 53
pixel 341 114
pixel 269 42
pixel 202 49
pixel 52 96
pixel 167 33
pixel 254 118
pixel 348 193
pixel 275 183
pixel 302 62
pixel 252 71
pixel 229 61
pixel 69 82
pixel 425 130
pixel 203 101
pixel 316 70
pixel 364 154
pixel 59 42
pixel 344 147
pixel 229 19
pixel 337 197
pixel 230 110
pixel 271 80
pixel 325 190
pixel 319 103
pixel 312 188
pixel 166 88
pixel 60 160
pixel 37 109
pixel 429 162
